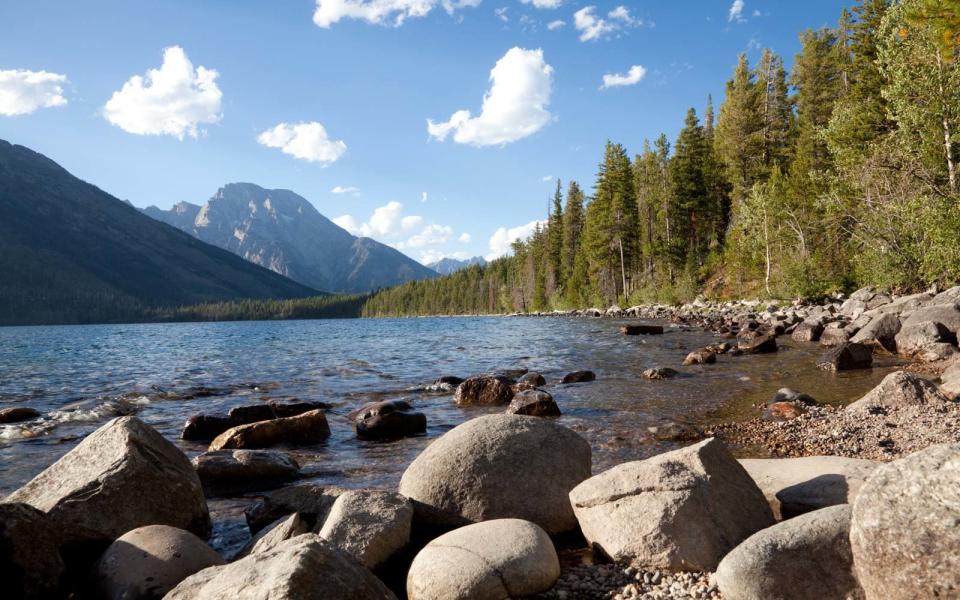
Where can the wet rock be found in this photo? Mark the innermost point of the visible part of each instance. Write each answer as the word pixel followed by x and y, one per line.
pixel 834 336
pixel 237 471
pixel 656 373
pixel 29 555
pixel 148 562
pixel 302 430
pixel 450 380
pixel 120 477
pixel 369 525
pixel 579 377
pixel 783 411
pixel 493 560
pixel 313 502
pixel 252 413
pixel 805 558
pixel 205 427
pixel 641 329
pixel 512 374
pixel 305 567
pixel 535 403
pixel 904 534
pixel 759 345
pixel 789 395
pixel 17 414
pixel 880 333
pixel 484 390
pixel 700 357
pixel 500 466
pixel 533 378
pixel 845 357
pixel 270 536
pixel 673 431
pixel 900 389
pixel 794 486
pixel 680 510
pixel 388 420
pixel 807 332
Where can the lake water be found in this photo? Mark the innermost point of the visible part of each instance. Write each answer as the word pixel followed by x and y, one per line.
pixel 81 376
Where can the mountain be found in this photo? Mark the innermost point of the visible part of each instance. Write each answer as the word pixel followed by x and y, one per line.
pixel 70 252
pixel 445 266
pixel 282 231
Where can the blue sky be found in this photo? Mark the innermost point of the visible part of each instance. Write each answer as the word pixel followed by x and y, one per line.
pixel 371 82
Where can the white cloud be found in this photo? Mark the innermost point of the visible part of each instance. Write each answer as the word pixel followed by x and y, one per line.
pixel 592 27
pixel 346 189
pixel 431 235
pixel 502 238
pixel 423 197
pixel 546 178
pixel 306 141
pixel 622 14
pixel 432 255
pixel 22 92
pixel 544 3
pixel 514 107
pixel 172 100
pixel 631 77
pixel 465 237
pixel 555 25
pixel 386 221
pixel 382 12
pixel 736 12
pixel 502 14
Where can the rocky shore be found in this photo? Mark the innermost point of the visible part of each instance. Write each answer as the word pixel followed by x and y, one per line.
pixel 858 501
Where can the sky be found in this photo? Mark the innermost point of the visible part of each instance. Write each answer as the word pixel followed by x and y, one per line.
pixel 439 127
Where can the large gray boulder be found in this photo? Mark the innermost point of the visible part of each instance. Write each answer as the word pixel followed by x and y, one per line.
pixel 946 314
pixel 305 567
pixel 30 562
pixel 122 476
pixel 920 338
pixel 904 532
pixel 500 466
pixel 682 510
pixel 900 389
pixel 301 430
pixel 794 486
pixel 148 562
pixel 370 525
pixel 493 560
pixel 880 333
pixel 806 558
pixel 272 535
pixel 846 356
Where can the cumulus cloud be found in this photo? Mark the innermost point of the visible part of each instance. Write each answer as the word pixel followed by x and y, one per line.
pixel 172 100
pixel 502 238
pixel 423 197
pixel 631 77
pixel 546 178
pixel 346 189
pixel 736 12
pixel 386 221
pixel 555 25
pixel 593 27
pixel 465 237
pixel 382 12
pixel 544 3
pixel 22 92
pixel 431 235
pixel 513 108
pixel 306 141
pixel 431 256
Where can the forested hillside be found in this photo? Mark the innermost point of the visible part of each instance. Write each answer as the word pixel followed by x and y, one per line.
pixel 840 173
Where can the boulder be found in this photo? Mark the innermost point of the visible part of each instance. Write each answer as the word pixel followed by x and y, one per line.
pixel 312 502
pixel 794 486
pixel 783 411
pixel 790 395
pixel 904 533
pixel 148 562
pixel 834 336
pixel 493 560
pixel 30 560
pixel 682 510
pixel 700 357
pixel 673 431
pixel 946 314
pixel 807 332
pixel 950 380
pixel 533 378
pixel 900 389
pixel 305 567
pixel 500 466
pixel 657 373
pixel 487 390
pixel 805 558
pixel 237 471
pixel 388 420
pixel 270 536
pixel 17 414
pixel 120 477
pixel 641 329
pixel 917 337
pixel 759 345
pixel 845 357
pixel 536 403
pixel 251 413
pixel 579 377
pixel 302 430
pixel 880 333
pixel 203 428
pixel 369 525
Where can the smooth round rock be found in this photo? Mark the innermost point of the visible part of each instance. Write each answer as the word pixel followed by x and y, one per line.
pixel 148 562
pixel 493 560
pixel 370 525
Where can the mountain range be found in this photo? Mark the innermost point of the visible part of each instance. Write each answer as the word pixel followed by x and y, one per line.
pixel 285 233
pixel 70 252
pixel 445 266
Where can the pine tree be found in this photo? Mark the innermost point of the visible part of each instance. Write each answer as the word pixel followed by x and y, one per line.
pixel 819 80
pixel 775 111
pixel 694 218
pixel 573 218
pixel 555 238
pixel 739 136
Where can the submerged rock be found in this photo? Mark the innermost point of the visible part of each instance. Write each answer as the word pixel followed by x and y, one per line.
pixel 391 419
pixel 656 373
pixel 237 471
pixel 783 411
pixel 763 344
pixel 579 377
pixel 488 390
pixel 700 357
pixel 790 395
pixel 18 414
pixel 641 329
pixel 302 430
pixel 533 378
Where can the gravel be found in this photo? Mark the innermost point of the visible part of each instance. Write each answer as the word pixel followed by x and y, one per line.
pixel 620 582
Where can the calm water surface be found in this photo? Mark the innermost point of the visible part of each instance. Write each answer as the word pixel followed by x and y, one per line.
pixel 81 376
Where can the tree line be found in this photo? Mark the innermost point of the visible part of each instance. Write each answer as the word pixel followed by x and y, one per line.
pixel 839 173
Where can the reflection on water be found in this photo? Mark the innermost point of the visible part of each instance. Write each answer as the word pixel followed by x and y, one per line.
pixel 81 376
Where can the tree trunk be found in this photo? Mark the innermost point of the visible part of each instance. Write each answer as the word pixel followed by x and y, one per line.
pixel 766 247
pixel 947 145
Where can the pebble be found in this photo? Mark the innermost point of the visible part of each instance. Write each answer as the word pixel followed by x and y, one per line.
pixel 623 582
